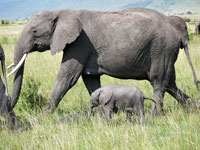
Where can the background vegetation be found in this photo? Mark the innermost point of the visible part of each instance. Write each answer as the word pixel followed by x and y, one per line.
pixel 177 129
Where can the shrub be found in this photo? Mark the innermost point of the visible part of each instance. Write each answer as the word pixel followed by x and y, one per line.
pixel 30 94
pixel 191 36
pixel 2 21
pixel 4 40
pixel 5 22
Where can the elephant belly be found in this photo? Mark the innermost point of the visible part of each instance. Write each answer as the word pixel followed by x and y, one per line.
pixel 122 46
pixel 122 73
pixel 118 66
pixel 125 64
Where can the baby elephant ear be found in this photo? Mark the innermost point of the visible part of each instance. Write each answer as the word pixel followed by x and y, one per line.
pixel 67 29
pixel 105 97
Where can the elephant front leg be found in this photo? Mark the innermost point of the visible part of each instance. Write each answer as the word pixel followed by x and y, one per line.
pixel 68 75
pixel 107 113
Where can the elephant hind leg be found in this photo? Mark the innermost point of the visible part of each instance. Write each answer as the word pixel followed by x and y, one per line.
pixel 174 91
pixel 158 97
pixel 186 101
pixel 128 116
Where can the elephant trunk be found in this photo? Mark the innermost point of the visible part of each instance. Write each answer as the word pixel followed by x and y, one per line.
pixel 90 112
pixel 18 77
pixel 24 45
pixel 17 85
pixel 4 71
pixel 196 81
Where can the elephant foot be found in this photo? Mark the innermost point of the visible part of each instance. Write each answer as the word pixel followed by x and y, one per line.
pixel 191 104
pixel 49 108
pixel 156 111
pixel 11 121
pixel 15 124
pixel 129 122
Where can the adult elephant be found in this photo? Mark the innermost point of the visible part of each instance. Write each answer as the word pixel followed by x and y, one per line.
pixel 5 104
pixel 197 27
pixel 141 45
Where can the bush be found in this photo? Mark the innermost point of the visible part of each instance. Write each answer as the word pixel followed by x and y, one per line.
pixel 4 40
pixel 32 100
pixel 5 22
pixel 2 21
pixel 191 36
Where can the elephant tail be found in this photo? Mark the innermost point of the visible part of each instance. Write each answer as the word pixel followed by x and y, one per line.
pixel 150 99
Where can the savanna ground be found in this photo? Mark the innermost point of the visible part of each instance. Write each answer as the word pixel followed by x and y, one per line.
pixel 177 129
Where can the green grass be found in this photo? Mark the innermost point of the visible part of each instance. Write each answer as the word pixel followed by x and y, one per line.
pixel 176 130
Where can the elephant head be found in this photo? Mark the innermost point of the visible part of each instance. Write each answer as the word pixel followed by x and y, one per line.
pixel 99 98
pixel 45 30
pixel 184 40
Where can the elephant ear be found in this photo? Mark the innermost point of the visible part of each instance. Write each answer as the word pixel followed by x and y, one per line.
pixel 105 97
pixel 67 29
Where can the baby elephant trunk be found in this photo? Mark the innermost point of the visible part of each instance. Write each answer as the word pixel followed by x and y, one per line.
pixel 150 99
pixel 90 112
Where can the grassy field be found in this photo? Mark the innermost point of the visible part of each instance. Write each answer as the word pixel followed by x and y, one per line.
pixel 176 130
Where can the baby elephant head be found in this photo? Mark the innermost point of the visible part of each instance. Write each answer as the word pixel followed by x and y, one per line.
pixel 99 98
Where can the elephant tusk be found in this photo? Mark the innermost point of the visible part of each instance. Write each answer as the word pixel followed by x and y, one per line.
pixel 18 65
pixel 10 66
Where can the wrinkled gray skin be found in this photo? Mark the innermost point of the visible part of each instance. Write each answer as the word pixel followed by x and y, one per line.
pixel 5 105
pixel 139 45
pixel 4 98
pixel 197 27
pixel 111 98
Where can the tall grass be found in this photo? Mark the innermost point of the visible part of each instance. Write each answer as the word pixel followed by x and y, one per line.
pixel 177 129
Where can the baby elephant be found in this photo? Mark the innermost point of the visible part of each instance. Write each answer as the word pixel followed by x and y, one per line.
pixel 110 98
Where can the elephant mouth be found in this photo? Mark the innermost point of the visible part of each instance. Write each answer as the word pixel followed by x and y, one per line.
pixel 41 47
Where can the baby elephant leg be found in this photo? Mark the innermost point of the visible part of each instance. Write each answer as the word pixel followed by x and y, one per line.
pixel 107 113
pixel 128 117
pixel 129 112
pixel 142 117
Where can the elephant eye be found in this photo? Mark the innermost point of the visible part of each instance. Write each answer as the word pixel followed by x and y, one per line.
pixel 34 30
